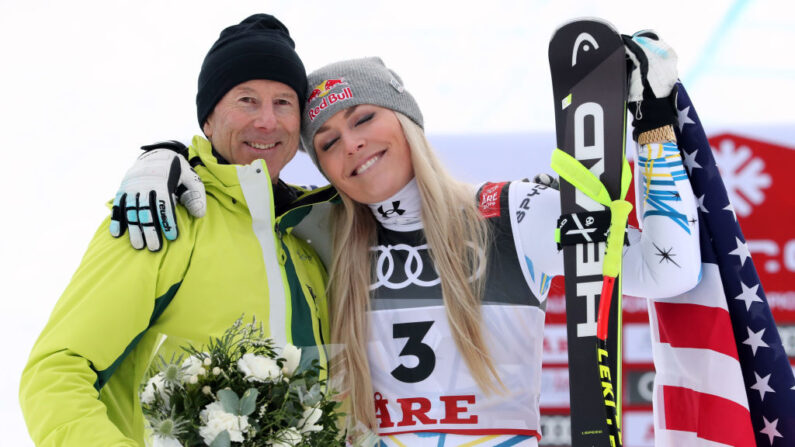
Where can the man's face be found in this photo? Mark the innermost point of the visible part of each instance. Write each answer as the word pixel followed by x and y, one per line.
pixel 257 119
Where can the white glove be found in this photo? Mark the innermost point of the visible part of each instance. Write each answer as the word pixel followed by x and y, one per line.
pixel 652 59
pixel 652 82
pixel 149 189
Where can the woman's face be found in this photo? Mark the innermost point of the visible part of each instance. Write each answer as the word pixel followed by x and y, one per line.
pixel 364 153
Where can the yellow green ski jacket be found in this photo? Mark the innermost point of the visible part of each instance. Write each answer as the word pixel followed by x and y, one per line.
pixel 81 384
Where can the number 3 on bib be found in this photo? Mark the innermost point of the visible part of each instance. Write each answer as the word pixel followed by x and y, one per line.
pixel 415 332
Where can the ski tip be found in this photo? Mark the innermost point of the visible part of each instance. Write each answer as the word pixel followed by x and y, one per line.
pixel 586 19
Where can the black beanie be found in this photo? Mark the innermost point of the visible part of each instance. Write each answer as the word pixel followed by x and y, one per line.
pixel 259 47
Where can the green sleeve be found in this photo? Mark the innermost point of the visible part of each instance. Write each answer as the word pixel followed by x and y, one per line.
pixel 108 302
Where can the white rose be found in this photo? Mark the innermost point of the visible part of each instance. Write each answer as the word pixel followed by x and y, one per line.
pixel 165 441
pixel 292 357
pixel 217 420
pixel 289 437
pixel 308 422
pixel 148 394
pixel 192 367
pixel 258 368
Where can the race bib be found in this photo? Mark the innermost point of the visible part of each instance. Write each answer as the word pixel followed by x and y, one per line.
pixel 422 383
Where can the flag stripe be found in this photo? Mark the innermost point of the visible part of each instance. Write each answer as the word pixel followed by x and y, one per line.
pixel 710 417
pixel 701 370
pixel 696 326
pixel 663 437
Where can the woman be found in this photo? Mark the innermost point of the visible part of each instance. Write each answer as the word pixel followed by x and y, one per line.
pixel 449 290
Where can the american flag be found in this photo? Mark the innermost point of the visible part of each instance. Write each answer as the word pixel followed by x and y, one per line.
pixel 723 377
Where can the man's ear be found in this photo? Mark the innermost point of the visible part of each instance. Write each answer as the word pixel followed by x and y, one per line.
pixel 207 128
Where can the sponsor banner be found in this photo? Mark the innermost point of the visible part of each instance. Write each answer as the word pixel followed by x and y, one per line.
pixel 555 347
pixel 637 343
pixel 635 309
pixel 556 302
pixel 638 429
pixel 759 183
pixel 639 385
pixel 555 431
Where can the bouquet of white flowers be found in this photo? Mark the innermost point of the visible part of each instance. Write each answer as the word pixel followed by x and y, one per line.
pixel 239 391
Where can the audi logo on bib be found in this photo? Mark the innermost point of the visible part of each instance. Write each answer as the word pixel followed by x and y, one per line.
pixel 401 265
pixel 417 268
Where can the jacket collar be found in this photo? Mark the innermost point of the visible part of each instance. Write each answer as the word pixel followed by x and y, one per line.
pixel 224 175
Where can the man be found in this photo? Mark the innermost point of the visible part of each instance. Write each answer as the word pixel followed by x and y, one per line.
pixel 123 307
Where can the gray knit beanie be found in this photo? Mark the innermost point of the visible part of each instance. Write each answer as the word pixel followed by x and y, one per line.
pixel 344 84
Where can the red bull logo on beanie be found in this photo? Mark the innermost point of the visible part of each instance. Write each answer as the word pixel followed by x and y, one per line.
pixel 324 88
pixel 323 93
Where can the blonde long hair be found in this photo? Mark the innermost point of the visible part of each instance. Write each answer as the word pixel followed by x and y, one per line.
pixel 450 215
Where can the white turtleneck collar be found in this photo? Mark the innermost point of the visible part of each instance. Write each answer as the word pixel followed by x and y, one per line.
pixel 401 212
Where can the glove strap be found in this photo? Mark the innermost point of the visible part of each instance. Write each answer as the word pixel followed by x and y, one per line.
pixel 659 135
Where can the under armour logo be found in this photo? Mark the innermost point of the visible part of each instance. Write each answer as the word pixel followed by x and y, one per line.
pixel 395 209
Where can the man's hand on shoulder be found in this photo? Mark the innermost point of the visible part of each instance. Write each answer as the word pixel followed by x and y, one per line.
pixel 144 203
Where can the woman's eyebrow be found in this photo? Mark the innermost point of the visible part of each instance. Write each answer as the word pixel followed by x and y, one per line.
pixel 347 114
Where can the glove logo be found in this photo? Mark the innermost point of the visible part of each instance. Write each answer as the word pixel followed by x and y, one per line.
pixel 163 215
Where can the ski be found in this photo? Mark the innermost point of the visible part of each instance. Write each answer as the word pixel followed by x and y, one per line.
pixel 589 86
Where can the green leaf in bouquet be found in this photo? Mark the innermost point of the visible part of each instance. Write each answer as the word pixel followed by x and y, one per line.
pixel 222 440
pixel 310 359
pixel 298 386
pixel 230 401
pixel 311 397
pixel 249 402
